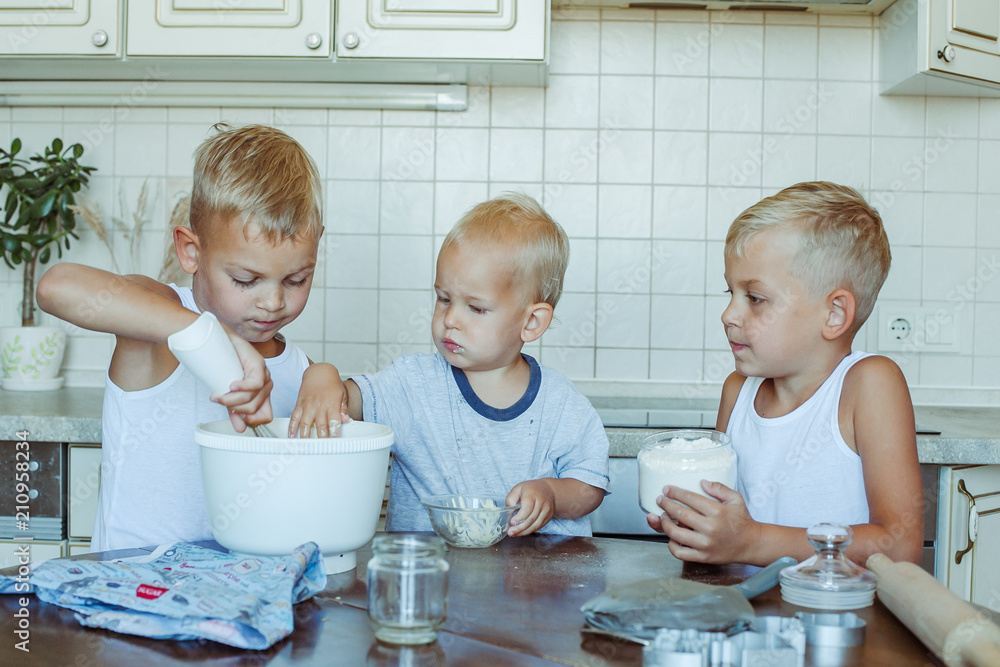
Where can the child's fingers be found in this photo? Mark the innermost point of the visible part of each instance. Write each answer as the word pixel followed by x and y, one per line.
pixel 693 500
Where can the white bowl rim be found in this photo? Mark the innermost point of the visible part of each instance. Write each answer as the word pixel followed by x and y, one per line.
pixel 221 435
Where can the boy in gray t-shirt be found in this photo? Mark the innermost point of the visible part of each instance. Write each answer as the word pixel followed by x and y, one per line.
pixel 479 416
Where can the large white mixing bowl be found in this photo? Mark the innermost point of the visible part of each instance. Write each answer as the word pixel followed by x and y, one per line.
pixel 267 496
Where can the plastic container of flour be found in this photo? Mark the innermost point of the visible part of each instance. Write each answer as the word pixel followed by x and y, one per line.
pixel 683 458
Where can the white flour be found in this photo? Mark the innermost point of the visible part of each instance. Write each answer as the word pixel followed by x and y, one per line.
pixel 683 463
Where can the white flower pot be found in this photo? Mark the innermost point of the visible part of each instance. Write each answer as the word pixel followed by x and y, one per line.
pixel 31 357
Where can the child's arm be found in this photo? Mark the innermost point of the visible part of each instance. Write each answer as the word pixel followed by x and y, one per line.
pixel 142 313
pixel 322 402
pixel 549 498
pixel 877 416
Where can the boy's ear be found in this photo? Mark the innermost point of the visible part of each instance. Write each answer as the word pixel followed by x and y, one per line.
pixel 539 319
pixel 840 314
pixel 187 246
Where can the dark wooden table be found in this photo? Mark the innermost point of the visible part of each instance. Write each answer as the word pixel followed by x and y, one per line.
pixel 517 603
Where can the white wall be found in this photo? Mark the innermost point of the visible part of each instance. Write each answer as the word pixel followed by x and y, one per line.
pixel 656 129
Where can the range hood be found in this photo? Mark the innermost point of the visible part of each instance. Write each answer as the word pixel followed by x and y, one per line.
pixel 817 6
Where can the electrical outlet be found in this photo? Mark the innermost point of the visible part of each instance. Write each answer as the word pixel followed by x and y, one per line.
pixel 918 329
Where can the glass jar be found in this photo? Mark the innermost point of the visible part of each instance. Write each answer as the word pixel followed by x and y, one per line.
pixel 683 458
pixel 407 588
pixel 828 579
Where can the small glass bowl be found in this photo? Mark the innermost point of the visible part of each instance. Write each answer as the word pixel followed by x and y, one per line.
pixel 469 521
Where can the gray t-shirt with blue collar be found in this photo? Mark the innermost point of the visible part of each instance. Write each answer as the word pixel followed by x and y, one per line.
pixel 449 441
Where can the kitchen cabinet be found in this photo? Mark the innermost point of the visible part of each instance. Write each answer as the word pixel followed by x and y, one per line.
pixel 14 552
pixel 969 533
pixel 84 484
pixel 59 27
pixel 442 29
pixel 58 499
pixel 261 28
pixel 941 47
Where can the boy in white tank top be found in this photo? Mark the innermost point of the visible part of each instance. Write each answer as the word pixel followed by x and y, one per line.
pixel 256 223
pixel 821 433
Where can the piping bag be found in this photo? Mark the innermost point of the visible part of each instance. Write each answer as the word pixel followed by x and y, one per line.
pixel 206 351
pixel 641 608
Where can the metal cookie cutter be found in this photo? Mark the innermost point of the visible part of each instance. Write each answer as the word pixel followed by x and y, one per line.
pixel 841 630
pixel 834 639
pixel 774 641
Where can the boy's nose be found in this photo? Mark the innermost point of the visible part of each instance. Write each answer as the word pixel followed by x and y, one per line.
pixel 272 300
pixel 729 315
pixel 450 318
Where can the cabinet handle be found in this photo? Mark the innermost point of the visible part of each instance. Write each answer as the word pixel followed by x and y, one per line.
pixel 947 54
pixel 351 40
pixel 99 38
pixel 973 522
pixel 314 40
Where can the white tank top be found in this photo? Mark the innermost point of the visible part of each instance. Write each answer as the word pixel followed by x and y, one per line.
pixel 796 470
pixel 150 464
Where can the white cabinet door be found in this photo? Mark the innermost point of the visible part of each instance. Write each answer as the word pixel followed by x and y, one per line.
pixel 965 38
pixel 442 29
pixel 59 27
pixel 969 527
pixel 13 552
pixel 265 28
pixel 84 484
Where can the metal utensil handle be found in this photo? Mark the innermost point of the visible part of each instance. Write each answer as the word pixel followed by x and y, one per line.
pixel 766 579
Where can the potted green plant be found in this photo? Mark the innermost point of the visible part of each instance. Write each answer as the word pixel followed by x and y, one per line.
pixel 36 195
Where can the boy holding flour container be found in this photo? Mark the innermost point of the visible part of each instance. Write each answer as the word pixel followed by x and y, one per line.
pixel 822 433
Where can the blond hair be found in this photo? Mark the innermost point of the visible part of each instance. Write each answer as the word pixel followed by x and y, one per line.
pixel 538 248
pixel 258 176
pixel 843 243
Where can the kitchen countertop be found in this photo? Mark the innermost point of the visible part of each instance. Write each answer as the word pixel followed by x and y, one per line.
pixel 969 435
pixel 516 603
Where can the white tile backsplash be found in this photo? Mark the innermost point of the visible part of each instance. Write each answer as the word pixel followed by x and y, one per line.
pixel 515 155
pixel 737 50
pixel 679 212
pixel 790 51
pixel 627 47
pixel 624 211
pixel 680 158
pixel 655 131
pixel 735 105
pixel 462 154
pixel 682 49
pixel 681 103
pixel 572 101
pixel 626 157
pixel 845 54
pixel 626 102
pixel 950 219
pixel 353 152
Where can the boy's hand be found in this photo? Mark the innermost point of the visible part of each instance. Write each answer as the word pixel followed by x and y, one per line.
pixel 707 530
pixel 322 403
pixel 248 400
pixel 538 502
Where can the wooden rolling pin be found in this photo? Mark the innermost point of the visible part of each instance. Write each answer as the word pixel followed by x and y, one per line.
pixel 950 627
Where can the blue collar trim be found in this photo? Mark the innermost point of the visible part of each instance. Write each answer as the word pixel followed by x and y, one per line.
pixel 501 414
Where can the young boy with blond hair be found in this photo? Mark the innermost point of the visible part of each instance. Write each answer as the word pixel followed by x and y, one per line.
pixel 822 434
pixel 256 222
pixel 479 416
